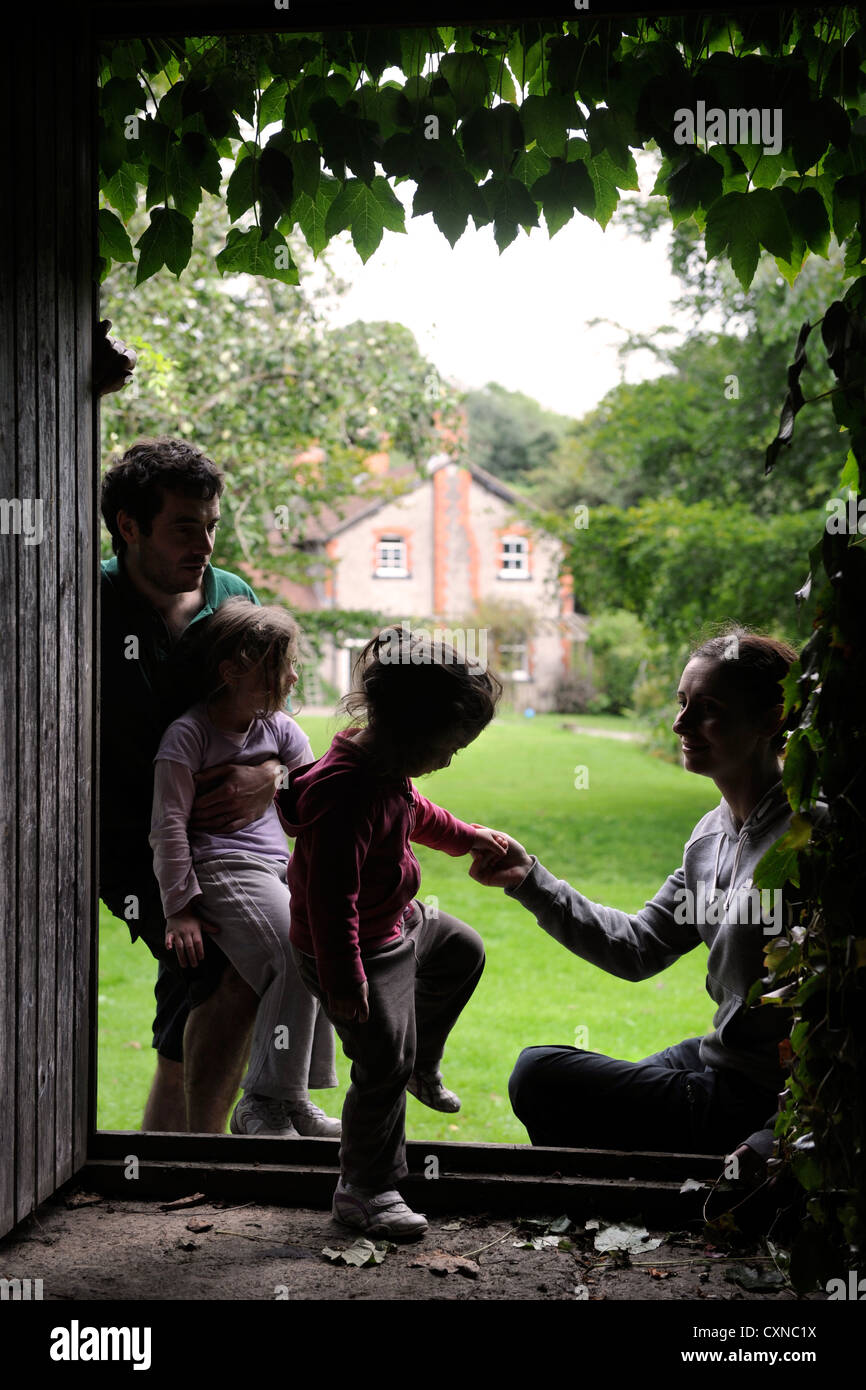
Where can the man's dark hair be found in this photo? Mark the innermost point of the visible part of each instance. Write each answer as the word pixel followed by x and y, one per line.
pixel 138 483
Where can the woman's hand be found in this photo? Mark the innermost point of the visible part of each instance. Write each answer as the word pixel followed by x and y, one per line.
pixel 498 870
pixel 183 932
pixel 350 1008
pixel 244 794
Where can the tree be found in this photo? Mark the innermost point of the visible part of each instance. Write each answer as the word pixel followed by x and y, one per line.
pixel 249 370
pixel 510 434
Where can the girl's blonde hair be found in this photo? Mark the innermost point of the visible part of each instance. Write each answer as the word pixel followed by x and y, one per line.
pixel 252 637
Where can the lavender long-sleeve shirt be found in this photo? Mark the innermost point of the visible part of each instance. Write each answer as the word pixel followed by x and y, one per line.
pixel 189 745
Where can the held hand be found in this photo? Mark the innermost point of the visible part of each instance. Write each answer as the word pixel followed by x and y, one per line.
pixel 113 361
pixel 350 1008
pixel 243 796
pixel 500 870
pixel 490 843
pixel 183 932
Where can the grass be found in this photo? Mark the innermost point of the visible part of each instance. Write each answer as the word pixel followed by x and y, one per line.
pixel 615 840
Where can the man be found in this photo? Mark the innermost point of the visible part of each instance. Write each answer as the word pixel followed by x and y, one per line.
pixel 161 506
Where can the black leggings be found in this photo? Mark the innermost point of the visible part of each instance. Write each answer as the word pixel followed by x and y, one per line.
pixel 670 1102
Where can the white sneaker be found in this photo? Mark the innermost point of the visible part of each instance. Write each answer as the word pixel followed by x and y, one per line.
pixel 377 1213
pixel 311 1122
pixel 263 1115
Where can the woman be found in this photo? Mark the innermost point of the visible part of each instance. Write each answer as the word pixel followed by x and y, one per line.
pixel 704 1095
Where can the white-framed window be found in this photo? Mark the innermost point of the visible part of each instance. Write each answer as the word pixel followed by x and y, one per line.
pixel 514 558
pixel 391 558
pixel 514 661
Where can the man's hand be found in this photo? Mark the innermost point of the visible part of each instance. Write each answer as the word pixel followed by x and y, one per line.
pixel 350 1008
pixel 243 796
pixel 500 870
pixel 183 932
pixel 113 361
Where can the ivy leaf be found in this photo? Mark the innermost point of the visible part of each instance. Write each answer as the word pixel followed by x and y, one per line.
pixel 311 213
pixel 608 133
pixel 564 188
pixel 742 223
pixel 114 242
pixel 276 187
pixel 272 103
pixel 547 120
pixel 808 218
pixel 846 204
pixel 203 160
pixel 450 195
pixel 167 241
pixel 242 191
pixel 122 189
pixel 182 181
pixel 510 206
pixel 366 209
pixel 491 139
pixel 694 181
pixel 254 254
pixel 604 182
pixel 530 165
pixel 346 139
pixel 466 75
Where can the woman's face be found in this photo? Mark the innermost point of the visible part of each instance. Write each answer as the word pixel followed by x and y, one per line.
pixel 720 735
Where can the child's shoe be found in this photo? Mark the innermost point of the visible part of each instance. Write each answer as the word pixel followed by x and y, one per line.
pixel 311 1122
pixel 428 1087
pixel 263 1115
pixel 377 1213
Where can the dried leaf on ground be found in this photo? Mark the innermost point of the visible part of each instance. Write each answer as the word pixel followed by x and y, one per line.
pixel 692 1185
pixel 659 1273
pixel 542 1243
pixel 630 1238
pixel 362 1252
pixel 441 1262
pixel 199 1227
pixel 195 1200
pixel 83 1199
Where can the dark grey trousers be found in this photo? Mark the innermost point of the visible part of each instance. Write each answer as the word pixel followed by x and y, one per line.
pixel 418 987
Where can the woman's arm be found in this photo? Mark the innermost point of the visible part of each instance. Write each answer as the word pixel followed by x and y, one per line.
pixel 634 947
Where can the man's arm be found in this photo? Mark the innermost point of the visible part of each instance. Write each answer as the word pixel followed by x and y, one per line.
pixel 244 794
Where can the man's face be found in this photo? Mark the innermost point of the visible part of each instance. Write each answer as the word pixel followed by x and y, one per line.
pixel 175 555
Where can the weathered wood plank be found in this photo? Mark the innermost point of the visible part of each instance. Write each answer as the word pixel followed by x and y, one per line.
pixel 68 868
pixel 47 714
pixel 8 674
pixel 297 1185
pixel 26 88
pixel 467 1159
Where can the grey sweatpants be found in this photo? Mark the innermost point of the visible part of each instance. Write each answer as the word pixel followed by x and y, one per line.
pixel 293 1042
pixel 418 987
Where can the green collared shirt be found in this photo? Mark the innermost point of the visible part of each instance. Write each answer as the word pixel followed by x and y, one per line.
pixel 147 679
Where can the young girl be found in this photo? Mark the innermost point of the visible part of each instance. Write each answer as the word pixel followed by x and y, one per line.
pixel 236 882
pixel 392 975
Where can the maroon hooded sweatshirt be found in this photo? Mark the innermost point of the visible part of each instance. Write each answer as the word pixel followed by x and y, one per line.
pixel 352 874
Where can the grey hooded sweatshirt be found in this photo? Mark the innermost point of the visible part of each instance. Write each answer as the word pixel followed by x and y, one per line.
pixel 717 909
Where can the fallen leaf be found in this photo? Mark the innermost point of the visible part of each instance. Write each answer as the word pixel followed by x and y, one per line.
pixel 692 1185
pixel 194 1201
pixel 83 1199
pixel 440 1262
pixel 659 1273
pixel 199 1227
pixel 452 1226
pixel 363 1252
pixel 560 1226
pixel 630 1238
pixel 542 1243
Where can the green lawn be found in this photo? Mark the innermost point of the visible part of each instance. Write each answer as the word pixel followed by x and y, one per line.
pixel 616 840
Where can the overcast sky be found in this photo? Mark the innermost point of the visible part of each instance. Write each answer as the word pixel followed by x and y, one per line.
pixel 520 318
